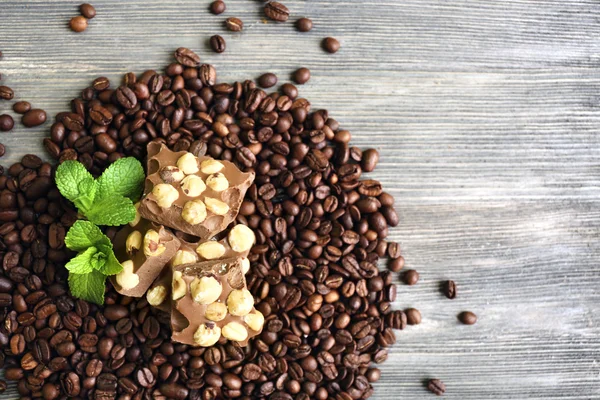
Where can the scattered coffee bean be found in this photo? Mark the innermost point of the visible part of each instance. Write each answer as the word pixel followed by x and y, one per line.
pixel 217 43
pixel 87 10
pixel 370 158
pixel 413 316
pixel 301 76
pixel 267 80
pixel 331 45
pixel 396 264
pixel 217 7
pixel 277 11
pixel 304 24
pixel 2 152
pixel 33 118
pixel 6 93
pixel 449 288
pixel 234 24
pixel 3 385
pixel 6 123
pixel 78 24
pixel 21 107
pixel 467 318
pixel 436 387
pixel 411 277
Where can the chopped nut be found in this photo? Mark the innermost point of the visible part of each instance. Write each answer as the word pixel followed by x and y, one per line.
pixel 179 286
pixel 133 242
pixel 235 331
pixel 156 295
pixel 255 320
pixel 217 182
pixel 240 302
pixel 216 311
pixel 210 250
pixel 193 186
pixel 194 212
pixel 183 257
pixel 188 163
pixel 138 217
pixel 207 334
pixel 165 195
pixel 216 206
pixel 171 174
pixel 211 166
pixel 152 245
pixel 245 265
pixel 126 278
pixel 206 290
pixel 241 238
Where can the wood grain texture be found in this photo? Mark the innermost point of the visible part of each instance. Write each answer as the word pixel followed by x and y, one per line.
pixel 486 117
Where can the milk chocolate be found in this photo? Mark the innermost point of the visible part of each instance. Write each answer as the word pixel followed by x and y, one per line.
pixel 146 267
pixel 189 313
pixel 207 192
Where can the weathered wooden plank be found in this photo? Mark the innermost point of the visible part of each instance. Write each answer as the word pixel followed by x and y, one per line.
pixel 486 117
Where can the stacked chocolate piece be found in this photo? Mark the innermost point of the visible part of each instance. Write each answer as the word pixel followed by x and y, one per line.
pixel 181 253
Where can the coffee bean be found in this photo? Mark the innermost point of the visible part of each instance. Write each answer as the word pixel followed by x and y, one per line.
pixel 301 76
pixel 78 24
pixel 277 11
pixel 234 24
pixel 370 158
pixel 21 107
pixel 33 118
pixel 2 150
pixel 449 289
pixel 6 93
pixel 87 10
pixel 3 386
pixel 217 7
pixel 411 277
pixel 267 80
pixel 467 318
pixel 125 97
pixel 413 316
pixel 6 123
pixel 331 45
pixel 217 43
pixel 304 24
pixel 436 387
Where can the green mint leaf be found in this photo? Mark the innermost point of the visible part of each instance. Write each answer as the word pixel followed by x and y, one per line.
pixel 82 263
pixel 125 177
pixel 112 211
pixel 98 260
pixel 74 181
pixel 84 234
pixel 89 287
pixel 112 266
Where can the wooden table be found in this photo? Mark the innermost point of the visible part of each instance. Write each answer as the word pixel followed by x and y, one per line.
pixel 486 117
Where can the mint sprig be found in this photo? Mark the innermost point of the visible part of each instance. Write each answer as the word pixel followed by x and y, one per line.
pixel 107 200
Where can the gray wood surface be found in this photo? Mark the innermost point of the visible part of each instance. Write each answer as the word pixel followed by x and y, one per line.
pixel 486 116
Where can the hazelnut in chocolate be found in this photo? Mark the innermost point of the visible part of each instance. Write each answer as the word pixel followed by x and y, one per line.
pixel 200 196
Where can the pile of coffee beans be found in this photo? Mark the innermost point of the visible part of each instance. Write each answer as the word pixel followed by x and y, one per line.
pixel 321 228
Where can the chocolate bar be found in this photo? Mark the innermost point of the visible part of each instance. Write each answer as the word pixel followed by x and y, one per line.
pixel 143 250
pixel 210 300
pixel 199 196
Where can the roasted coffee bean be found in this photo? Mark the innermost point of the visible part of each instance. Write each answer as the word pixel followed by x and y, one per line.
pixel 301 76
pixel 234 24
pixel 304 24
pixel 449 289
pixel 467 318
pixel 277 11
pixel 331 45
pixel 267 80
pixel 33 118
pixel 187 57
pixel 87 10
pixel 6 123
pixel 217 7
pixel 78 24
pixel 413 316
pixel 436 387
pixel 217 43
pixel 6 93
pixel 411 277
pixel 21 107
